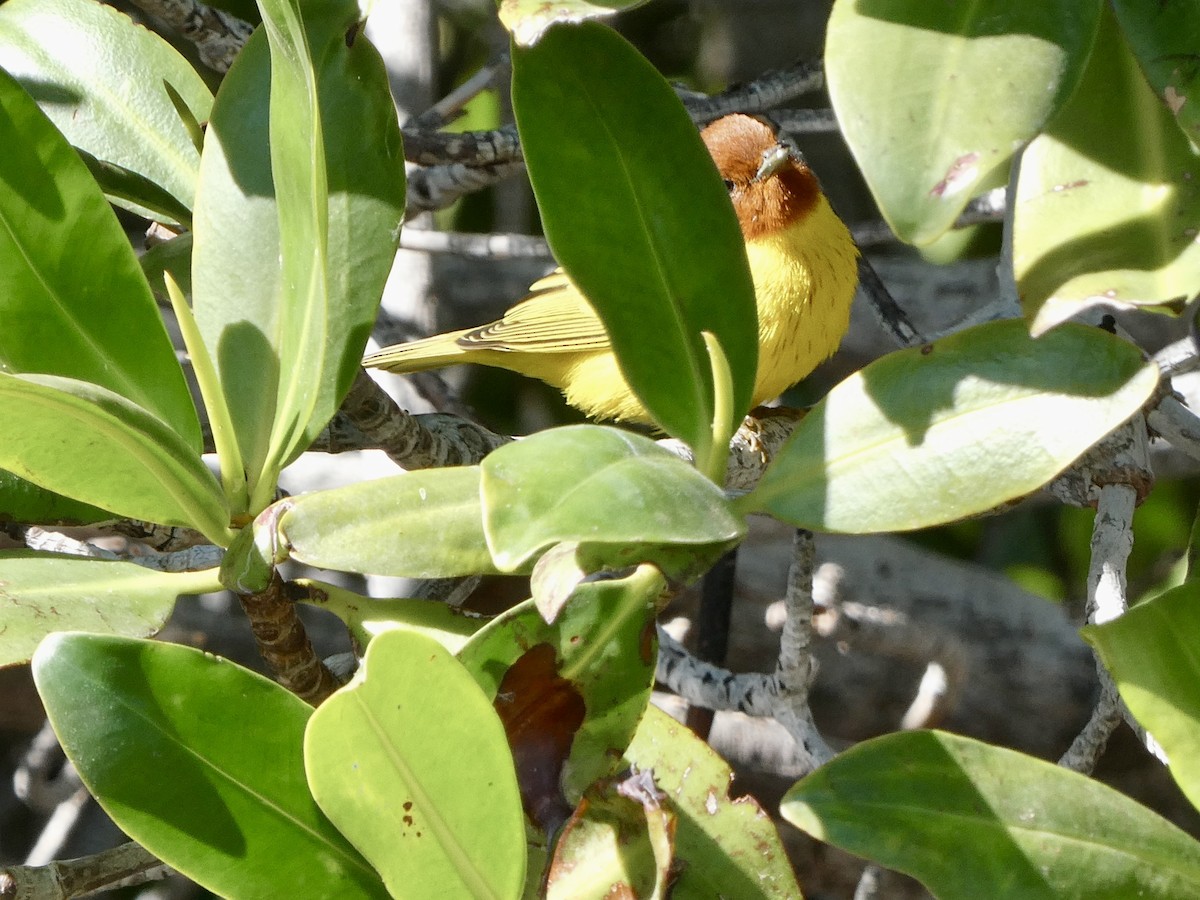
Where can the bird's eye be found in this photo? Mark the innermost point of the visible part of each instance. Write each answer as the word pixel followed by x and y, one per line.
pixel 729 185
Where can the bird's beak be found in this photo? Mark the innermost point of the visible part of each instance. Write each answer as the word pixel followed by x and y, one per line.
pixel 772 161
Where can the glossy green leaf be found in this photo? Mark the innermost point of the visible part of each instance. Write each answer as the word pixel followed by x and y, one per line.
pixel 74 301
pixel 1164 37
pixel 23 501
pixel 101 79
pixel 529 19
pixel 958 427
pixel 934 98
pixel 636 214
pixel 409 760
pixel 597 485
pixel 1151 652
pixel 43 592
pixel 287 273
pixel 368 617
pixel 724 847
pixel 594 663
pixel 425 524
pixel 200 761
pixel 90 444
pixel 957 814
pixel 1103 216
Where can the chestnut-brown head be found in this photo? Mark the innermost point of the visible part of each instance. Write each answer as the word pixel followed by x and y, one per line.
pixel 769 183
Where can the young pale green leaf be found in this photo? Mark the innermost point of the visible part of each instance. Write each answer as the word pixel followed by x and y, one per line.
pixel 199 761
pixel 88 443
pixel 44 593
pixel 570 693
pixel 102 81
pixel 724 847
pixel 956 814
pixel 597 485
pixel 409 760
pixel 1164 39
pixel 529 19
pixel 23 501
pixel 958 427
pixel 288 270
pixel 425 524
pixel 637 215
pixel 918 96
pixel 74 302
pixel 368 617
pixel 1103 216
pixel 1151 652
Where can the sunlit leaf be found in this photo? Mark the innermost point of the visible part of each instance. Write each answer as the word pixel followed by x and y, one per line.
pixel 1151 652
pixel 956 814
pixel 724 847
pixel 937 433
pixel 42 592
pixel 1101 216
pixel 200 761
pixel 386 760
pixel 102 80
pixel 82 441
pixel 425 524
pixel 529 19
pixel 597 485
pixel 934 98
pixel 74 302
pixel 296 223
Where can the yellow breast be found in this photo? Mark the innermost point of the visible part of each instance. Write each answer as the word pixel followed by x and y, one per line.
pixel 804 281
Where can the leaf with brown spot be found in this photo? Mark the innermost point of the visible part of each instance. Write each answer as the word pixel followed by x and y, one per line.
pixel 541 712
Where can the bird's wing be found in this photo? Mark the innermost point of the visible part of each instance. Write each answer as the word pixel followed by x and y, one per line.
pixel 554 318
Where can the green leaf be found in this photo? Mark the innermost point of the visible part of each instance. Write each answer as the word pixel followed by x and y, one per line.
pixel 957 814
pixel 74 301
pixel 620 841
pixel 1165 39
pixel 102 80
pixel 636 214
pixel 1103 216
pixel 529 19
pixel 368 617
pixel 936 433
pixel 121 184
pixel 1151 652
pixel 22 501
pixel 287 273
pixel 725 847
pixel 90 444
pixel 597 485
pixel 387 759
pixel 933 98
pixel 174 256
pixel 571 693
pixel 43 592
pixel 200 762
pixel 425 524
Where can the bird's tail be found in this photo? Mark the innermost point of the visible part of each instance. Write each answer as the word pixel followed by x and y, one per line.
pixel 417 356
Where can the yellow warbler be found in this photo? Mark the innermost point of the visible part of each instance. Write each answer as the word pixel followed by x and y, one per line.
pixel 802 259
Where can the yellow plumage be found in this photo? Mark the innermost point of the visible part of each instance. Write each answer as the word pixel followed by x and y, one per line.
pixel 802 259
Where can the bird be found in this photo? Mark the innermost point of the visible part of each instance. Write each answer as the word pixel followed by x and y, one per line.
pixel 803 262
